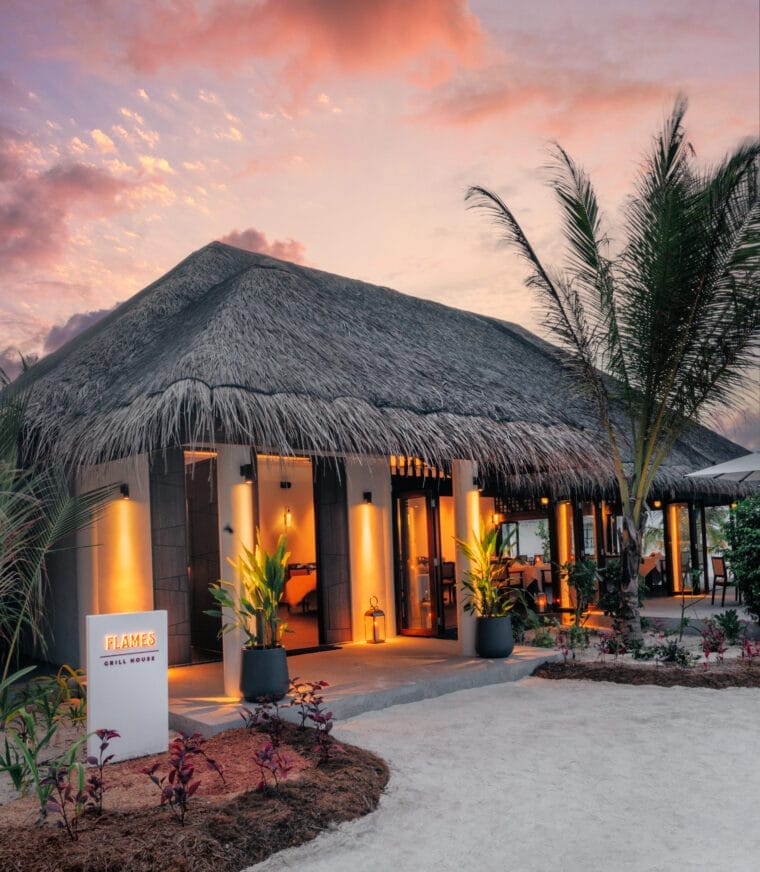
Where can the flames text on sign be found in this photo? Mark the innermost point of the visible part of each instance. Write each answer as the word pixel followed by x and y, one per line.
pixel 130 640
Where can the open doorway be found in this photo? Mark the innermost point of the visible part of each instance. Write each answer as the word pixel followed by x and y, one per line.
pixel 202 526
pixel 426 588
pixel 285 488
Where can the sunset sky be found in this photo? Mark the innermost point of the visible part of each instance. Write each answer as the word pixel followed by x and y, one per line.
pixel 337 133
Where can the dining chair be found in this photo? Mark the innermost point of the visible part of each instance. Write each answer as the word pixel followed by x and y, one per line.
pixel 721 579
pixel 449 581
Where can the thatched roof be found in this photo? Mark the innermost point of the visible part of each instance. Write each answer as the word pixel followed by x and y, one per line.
pixel 238 347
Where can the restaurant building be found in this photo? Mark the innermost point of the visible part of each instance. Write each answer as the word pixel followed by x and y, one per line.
pixel 371 427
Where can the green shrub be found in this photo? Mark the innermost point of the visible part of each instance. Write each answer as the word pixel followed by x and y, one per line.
pixel 744 552
pixel 731 625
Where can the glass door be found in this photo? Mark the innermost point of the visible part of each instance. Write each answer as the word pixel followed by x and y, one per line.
pixel 417 566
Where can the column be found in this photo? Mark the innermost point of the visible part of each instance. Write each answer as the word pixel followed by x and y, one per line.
pixel 236 528
pixel 466 524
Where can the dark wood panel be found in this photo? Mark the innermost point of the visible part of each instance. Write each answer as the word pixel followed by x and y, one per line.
pixel 203 548
pixel 333 563
pixel 168 546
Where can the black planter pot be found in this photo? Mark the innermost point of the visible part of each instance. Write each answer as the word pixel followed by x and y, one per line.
pixel 493 637
pixel 264 673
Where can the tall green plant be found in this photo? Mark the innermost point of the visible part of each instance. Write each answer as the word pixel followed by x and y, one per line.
pixel 255 608
pixel 37 513
pixel 486 582
pixel 583 578
pixel 744 551
pixel 666 328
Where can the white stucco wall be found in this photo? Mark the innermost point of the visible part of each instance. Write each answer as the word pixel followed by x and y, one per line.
pixel 371 541
pixel 114 562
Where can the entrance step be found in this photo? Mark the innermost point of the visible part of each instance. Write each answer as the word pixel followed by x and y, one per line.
pixel 361 678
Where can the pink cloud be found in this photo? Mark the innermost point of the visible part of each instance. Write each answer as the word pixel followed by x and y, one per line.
pixel 35 206
pixel 426 39
pixel 61 333
pixel 254 240
pixel 497 92
pixel 743 426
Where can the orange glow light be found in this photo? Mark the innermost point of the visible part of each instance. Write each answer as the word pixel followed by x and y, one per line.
pixel 121 582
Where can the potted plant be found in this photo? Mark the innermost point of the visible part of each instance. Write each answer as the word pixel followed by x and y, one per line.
pixel 254 609
pixel 485 587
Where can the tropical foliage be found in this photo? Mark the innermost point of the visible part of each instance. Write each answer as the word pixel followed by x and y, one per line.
pixel 665 327
pixel 485 583
pixel 37 514
pixel 744 551
pixel 254 607
pixel 583 579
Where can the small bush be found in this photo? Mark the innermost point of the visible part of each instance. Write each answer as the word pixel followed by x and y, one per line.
pixel 544 638
pixel 640 650
pixel 611 643
pixel 729 622
pixel 713 640
pixel 179 784
pixel 672 651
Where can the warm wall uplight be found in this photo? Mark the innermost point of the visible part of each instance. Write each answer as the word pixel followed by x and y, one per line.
pixel 544 501
pixel 121 568
pixel 657 504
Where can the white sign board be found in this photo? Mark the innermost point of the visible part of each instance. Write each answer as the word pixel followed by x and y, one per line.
pixel 128 682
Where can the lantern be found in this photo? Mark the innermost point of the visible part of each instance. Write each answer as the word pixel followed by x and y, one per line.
pixel 541 602
pixel 374 623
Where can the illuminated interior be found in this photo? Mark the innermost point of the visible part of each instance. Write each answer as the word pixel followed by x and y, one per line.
pixel 565 547
pixel 286 506
pixel 680 546
pixel 448 534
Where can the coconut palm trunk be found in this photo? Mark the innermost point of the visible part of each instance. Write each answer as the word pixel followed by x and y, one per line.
pixel 664 329
pixel 630 555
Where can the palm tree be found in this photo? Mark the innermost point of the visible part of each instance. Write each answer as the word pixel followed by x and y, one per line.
pixel 666 328
pixel 37 512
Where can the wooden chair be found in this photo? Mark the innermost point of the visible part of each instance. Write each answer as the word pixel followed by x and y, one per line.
pixel 449 581
pixel 721 579
pixel 300 584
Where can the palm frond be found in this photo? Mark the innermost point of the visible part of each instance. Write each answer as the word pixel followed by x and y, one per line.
pixel 565 315
pixel 675 317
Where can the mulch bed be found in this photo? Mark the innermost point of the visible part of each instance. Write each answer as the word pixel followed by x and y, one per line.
pixel 716 677
pixel 227 826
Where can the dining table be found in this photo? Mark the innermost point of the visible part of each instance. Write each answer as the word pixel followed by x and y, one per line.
pixel 525 574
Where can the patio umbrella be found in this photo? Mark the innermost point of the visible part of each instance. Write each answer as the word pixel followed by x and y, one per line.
pixel 745 468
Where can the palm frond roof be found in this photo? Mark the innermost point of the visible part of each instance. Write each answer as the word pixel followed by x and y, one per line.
pixel 232 346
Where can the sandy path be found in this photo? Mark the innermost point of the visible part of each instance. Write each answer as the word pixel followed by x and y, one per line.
pixel 648 779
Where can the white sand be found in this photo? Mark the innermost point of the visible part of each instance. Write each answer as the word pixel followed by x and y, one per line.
pixel 556 775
